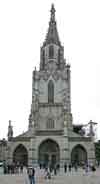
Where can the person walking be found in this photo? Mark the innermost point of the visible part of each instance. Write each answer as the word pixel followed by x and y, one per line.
pixel 86 168
pixel 93 169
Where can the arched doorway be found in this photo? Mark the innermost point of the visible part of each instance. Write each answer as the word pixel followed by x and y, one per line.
pixel 20 155
pixel 78 155
pixel 49 152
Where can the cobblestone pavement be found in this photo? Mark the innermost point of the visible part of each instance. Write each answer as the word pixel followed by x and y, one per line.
pixel 79 177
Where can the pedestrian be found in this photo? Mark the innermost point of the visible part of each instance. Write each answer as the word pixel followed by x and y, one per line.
pixel 48 174
pixel 93 169
pixel 31 175
pixel 50 168
pixel 55 170
pixel 86 168
pixel 58 167
pixel 21 168
pixel 70 167
pixel 40 165
pixel 65 168
pixel 76 167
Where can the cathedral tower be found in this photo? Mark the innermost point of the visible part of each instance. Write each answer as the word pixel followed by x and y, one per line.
pixel 51 99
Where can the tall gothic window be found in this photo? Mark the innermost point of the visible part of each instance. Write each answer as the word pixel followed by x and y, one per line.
pixel 50 124
pixel 58 56
pixel 50 92
pixel 51 51
pixel 43 58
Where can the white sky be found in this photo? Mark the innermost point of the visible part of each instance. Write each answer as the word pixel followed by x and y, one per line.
pixel 23 27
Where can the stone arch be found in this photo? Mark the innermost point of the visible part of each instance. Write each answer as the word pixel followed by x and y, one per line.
pixel 79 154
pixel 20 155
pixel 49 152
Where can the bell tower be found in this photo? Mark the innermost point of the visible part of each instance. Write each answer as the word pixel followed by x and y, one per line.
pixel 51 101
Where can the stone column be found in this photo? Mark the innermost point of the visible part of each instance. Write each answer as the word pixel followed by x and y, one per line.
pixel 65 147
pixel 91 153
pixel 32 152
pixel 9 154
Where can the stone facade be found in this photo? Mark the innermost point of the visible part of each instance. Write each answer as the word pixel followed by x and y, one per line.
pixel 50 138
pixel 3 146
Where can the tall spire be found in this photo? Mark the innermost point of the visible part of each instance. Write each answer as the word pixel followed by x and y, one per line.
pixel 52 34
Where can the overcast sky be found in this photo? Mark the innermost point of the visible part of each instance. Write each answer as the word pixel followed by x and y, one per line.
pixel 23 27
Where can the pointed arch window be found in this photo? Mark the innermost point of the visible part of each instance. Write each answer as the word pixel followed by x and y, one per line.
pixel 43 58
pixel 58 56
pixel 50 92
pixel 51 51
pixel 50 124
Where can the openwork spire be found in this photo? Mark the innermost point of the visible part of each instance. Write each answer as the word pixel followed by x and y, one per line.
pixel 52 34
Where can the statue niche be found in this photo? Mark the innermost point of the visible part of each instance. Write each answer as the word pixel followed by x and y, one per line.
pixel 35 103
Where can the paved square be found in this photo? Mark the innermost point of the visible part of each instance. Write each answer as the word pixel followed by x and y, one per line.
pixel 79 177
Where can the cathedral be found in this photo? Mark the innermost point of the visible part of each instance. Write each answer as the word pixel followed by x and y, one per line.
pixel 50 138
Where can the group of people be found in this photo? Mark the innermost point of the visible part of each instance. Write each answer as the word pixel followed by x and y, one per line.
pixel 13 168
pixel 48 170
pixel 87 167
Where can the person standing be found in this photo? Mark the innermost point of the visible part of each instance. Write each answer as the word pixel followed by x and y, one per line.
pixel 55 170
pixel 65 168
pixel 76 167
pixel 21 168
pixel 31 175
pixel 70 167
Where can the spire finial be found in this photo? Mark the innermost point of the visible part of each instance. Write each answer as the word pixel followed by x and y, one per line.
pixel 9 122
pixel 52 13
